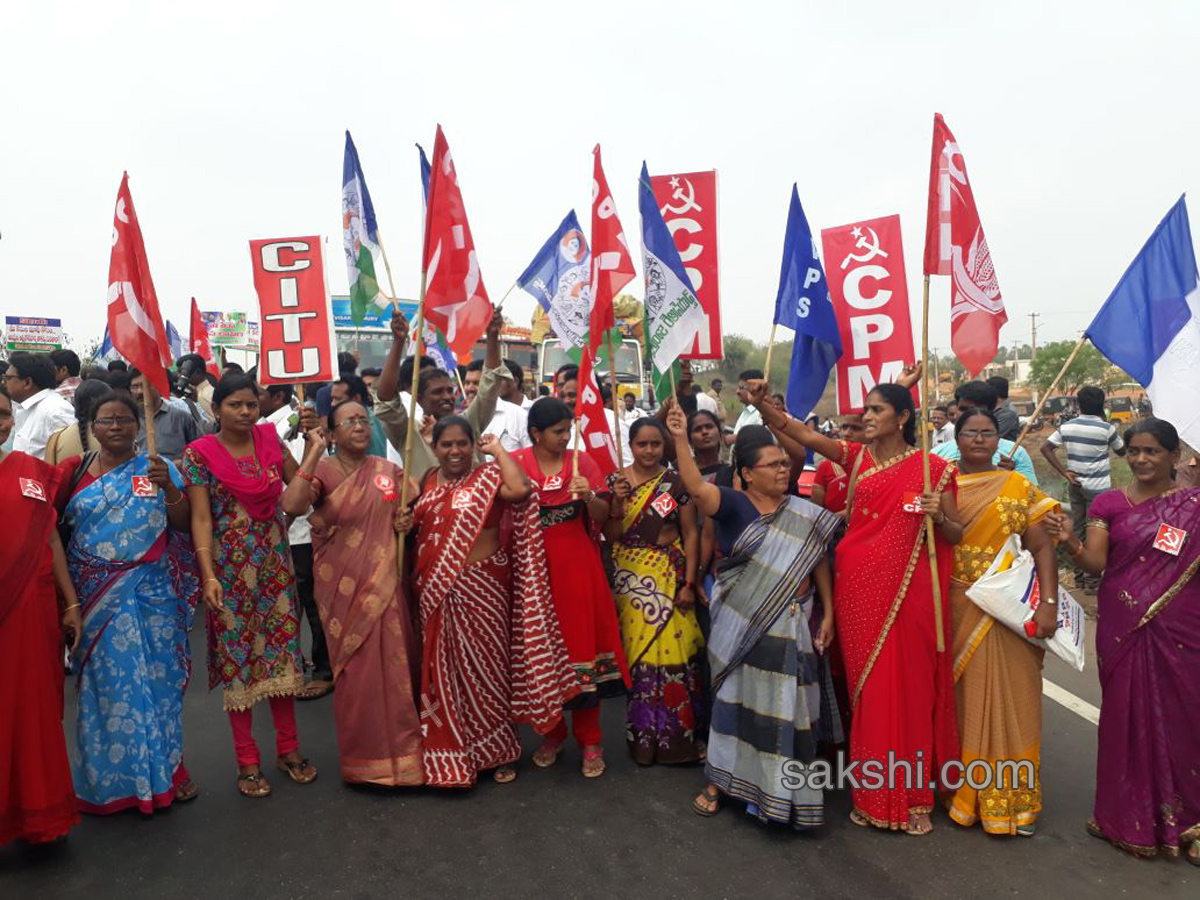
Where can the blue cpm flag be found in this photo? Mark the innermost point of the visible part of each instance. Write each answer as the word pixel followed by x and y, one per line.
pixel 1150 323
pixel 803 305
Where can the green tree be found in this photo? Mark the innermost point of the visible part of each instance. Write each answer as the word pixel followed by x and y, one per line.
pixel 737 353
pixel 1089 367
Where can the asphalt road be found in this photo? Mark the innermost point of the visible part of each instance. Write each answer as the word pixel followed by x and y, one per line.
pixel 628 834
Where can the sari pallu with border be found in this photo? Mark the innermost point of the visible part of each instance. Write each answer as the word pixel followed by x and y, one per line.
pixel 492 654
pixel 901 688
pixel 37 800
pixel 662 642
pixel 364 608
pixel 138 588
pixel 997 673
pixel 765 688
pixel 1148 652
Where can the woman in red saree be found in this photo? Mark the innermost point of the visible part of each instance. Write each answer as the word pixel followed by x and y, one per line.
pixel 569 507
pixel 901 687
pixel 361 599
pixel 37 799
pixel 492 653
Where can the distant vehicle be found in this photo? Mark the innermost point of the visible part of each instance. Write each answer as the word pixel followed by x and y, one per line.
pixel 1024 409
pixel 1120 409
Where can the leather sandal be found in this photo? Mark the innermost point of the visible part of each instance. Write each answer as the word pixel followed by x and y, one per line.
pixel 253 785
pixel 710 795
pixel 301 772
pixel 593 762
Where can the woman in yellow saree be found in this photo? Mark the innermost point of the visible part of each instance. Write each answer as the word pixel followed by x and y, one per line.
pixel 997 673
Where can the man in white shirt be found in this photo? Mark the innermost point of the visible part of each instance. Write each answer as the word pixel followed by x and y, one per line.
pixel 511 422
pixel 275 403
pixel 38 410
pixel 705 402
pixel 629 411
pixel 943 428
pixel 749 415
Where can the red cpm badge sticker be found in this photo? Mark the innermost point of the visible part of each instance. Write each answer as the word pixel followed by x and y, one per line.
pixel 664 505
pixel 386 486
pixel 912 503
pixel 33 489
pixel 553 483
pixel 1169 539
pixel 143 486
pixel 461 500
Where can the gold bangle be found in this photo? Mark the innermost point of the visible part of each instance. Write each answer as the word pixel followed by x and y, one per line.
pixel 207 550
pixel 177 502
pixel 71 607
pixel 207 580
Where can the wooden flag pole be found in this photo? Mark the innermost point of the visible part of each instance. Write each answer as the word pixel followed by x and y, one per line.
pixel 578 449
pixel 412 419
pixel 770 349
pixel 930 545
pixel 1046 396
pixel 151 435
pixel 612 362
pixel 387 268
pixel 505 297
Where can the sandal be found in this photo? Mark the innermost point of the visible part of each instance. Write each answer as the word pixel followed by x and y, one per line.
pixel 593 762
pixel 859 819
pixel 253 785
pixel 504 775
pixel 918 825
pixel 707 802
pixel 1027 830
pixel 547 754
pixel 300 771
pixel 314 690
pixel 189 790
pixel 1193 854
pixel 1093 828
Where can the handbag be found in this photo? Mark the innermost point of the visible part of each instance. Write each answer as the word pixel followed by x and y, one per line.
pixel 1010 593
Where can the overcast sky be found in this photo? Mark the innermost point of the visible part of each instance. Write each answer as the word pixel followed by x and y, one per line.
pixel 1078 122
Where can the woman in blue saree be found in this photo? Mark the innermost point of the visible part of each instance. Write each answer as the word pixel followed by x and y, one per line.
pixel 134 572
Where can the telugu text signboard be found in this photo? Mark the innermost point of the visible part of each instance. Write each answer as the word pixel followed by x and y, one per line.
pixel 864 265
pixel 32 333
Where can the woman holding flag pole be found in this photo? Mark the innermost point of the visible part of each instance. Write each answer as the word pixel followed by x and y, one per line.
pixel 901 685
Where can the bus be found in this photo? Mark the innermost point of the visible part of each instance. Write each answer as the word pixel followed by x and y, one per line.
pixel 631 376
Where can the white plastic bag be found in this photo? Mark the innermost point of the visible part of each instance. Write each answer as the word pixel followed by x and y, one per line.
pixel 1009 592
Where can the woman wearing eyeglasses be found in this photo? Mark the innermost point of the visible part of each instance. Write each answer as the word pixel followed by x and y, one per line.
pixel 766 699
pixel 133 568
pixel 234 481
pixel 997 673
pixel 373 646
pixel 37 802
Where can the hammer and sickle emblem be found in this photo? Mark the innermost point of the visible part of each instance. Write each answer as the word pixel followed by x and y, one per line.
pixel 870 245
pixel 686 197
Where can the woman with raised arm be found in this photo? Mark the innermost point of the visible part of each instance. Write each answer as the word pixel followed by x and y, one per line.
pixel 652 526
pixel 901 688
pixel 362 601
pixel 492 653
pixel 39 612
pixel 997 672
pixel 235 478
pixel 133 567
pixel 1145 542
pixel 766 701
pixel 569 506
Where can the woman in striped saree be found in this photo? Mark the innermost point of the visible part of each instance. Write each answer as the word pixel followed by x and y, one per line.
pixel 761 651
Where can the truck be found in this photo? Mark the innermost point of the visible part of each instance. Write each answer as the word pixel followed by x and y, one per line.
pixel 632 376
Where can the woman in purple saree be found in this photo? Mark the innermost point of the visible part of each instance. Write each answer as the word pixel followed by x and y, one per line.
pixel 1146 541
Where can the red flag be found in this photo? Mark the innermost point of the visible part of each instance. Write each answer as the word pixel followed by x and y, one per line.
pixel 593 419
pixel 198 340
pixel 135 325
pixel 456 302
pixel 612 266
pixel 955 246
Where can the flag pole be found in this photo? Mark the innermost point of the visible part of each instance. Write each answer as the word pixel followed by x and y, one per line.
pixel 612 362
pixel 930 546
pixel 578 449
pixel 512 288
pixel 386 267
pixel 1046 396
pixel 151 435
pixel 412 418
pixel 770 348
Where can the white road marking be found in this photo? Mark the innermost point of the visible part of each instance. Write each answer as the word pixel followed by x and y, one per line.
pixel 1077 705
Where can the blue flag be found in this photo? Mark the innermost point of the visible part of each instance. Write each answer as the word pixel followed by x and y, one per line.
pixel 803 305
pixel 1150 323
pixel 174 340
pixel 425 169
pixel 360 237
pixel 105 350
pixel 559 279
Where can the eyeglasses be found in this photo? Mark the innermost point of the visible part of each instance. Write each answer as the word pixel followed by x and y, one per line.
pixel 972 434
pixel 8 377
pixel 115 421
pixel 779 465
pixel 354 422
